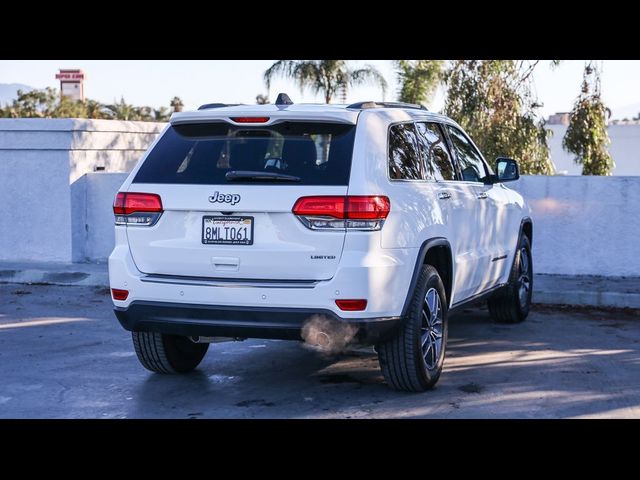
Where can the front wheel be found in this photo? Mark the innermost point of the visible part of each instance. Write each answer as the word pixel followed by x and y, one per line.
pixel 162 353
pixel 511 305
pixel 412 359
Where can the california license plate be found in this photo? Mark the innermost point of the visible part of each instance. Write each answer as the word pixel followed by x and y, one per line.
pixel 223 230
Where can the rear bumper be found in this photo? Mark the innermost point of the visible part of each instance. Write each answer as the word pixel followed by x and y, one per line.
pixel 381 277
pixel 245 322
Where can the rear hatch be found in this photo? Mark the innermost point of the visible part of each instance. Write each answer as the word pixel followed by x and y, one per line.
pixel 227 189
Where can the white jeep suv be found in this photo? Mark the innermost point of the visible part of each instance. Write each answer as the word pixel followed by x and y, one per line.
pixel 364 223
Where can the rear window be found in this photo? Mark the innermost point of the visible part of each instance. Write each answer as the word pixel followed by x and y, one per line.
pixel 203 153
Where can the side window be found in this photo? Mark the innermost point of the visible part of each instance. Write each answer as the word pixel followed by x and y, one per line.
pixel 403 153
pixel 435 155
pixel 471 163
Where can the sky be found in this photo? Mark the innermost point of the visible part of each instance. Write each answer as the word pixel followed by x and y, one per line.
pixel 155 82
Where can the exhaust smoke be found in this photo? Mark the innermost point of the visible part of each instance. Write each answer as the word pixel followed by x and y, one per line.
pixel 327 336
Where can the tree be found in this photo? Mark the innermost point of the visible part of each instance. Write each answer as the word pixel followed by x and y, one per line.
pixel 36 103
pixel 176 104
pixel 47 103
pixel 493 102
pixel 95 109
pixel 326 77
pixel 262 99
pixel 144 114
pixel 587 137
pixel 161 114
pixel 418 79
pixel 121 110
pixel 68 108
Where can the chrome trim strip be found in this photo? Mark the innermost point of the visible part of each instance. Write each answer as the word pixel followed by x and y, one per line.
pixel 228 282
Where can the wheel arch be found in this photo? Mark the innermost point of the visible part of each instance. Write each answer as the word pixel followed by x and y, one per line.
pixel 436 252
pixel 526 227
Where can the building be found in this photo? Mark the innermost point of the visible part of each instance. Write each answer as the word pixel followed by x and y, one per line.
pixel 559 118
pixel 71 83
pixel 624 148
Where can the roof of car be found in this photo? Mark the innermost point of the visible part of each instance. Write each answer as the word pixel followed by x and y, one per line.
pixel 345 113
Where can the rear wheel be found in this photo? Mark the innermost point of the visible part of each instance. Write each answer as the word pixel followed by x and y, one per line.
pixel 162 353
pixel 412 359
pixel 511 305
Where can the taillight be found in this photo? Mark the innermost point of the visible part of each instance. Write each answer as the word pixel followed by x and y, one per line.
pixel 366 212
pixel 352 305
pixel 137 208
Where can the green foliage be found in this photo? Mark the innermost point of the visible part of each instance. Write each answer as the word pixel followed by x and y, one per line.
pixel 587 137
pixel 161 114
pixel 328 77
pixel 262 99
pixel 176 104
pixel 36 103
pixel 47 103
pixel 418 79
pixel 492 101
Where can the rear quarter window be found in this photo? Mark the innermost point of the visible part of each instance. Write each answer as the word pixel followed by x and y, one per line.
pixel 404 163
pixel 203 153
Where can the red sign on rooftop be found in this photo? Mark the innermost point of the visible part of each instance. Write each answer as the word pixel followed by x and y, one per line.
pixel 70 75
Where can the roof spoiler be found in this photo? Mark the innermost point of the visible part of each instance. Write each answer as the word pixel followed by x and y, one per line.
pixel 207 106
pixel 371 104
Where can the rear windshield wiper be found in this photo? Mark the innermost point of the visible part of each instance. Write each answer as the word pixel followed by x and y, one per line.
pixel 234 175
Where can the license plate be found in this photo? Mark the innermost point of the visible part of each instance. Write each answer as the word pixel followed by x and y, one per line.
pixel 223 230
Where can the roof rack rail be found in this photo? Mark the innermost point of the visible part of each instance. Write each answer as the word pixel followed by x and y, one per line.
pixel 207 106
pixel 370 104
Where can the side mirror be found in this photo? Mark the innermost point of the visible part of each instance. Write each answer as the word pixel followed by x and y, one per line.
pixel 507 170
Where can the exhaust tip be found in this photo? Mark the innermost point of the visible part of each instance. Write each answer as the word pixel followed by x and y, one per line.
pixel 327 336
pixel 321 339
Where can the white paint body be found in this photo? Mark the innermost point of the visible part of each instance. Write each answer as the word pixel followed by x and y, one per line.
pixel 377 265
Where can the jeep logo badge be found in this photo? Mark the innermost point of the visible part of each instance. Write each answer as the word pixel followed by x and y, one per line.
pixel 224 198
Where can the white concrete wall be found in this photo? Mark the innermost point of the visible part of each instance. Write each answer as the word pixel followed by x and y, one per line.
pixel 584 225
pixel 92 215
pixel 35 206
pixel 624 148
pixel 112 144
pixel 39 158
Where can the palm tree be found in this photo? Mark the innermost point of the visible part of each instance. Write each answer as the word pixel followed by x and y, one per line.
pixel 176 103
pixel 94 109
pixel 418 79
pixel 161 114
pixel 143 114
pixel 121 110
pixel 327 77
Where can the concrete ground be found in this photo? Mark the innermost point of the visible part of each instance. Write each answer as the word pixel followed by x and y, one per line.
pixel 63 355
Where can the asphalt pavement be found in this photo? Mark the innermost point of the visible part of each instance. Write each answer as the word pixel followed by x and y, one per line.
pixel 63 355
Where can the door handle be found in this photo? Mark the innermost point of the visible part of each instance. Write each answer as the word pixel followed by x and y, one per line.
pixel 482 196
pixel 444 195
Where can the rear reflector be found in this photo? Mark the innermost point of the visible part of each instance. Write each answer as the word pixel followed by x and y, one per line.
pixel 119 294
pixel 250 119
pixel 352 305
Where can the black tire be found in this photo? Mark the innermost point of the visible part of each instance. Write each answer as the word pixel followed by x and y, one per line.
pixel 507 305
pixel 162 353
pixel 402 357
